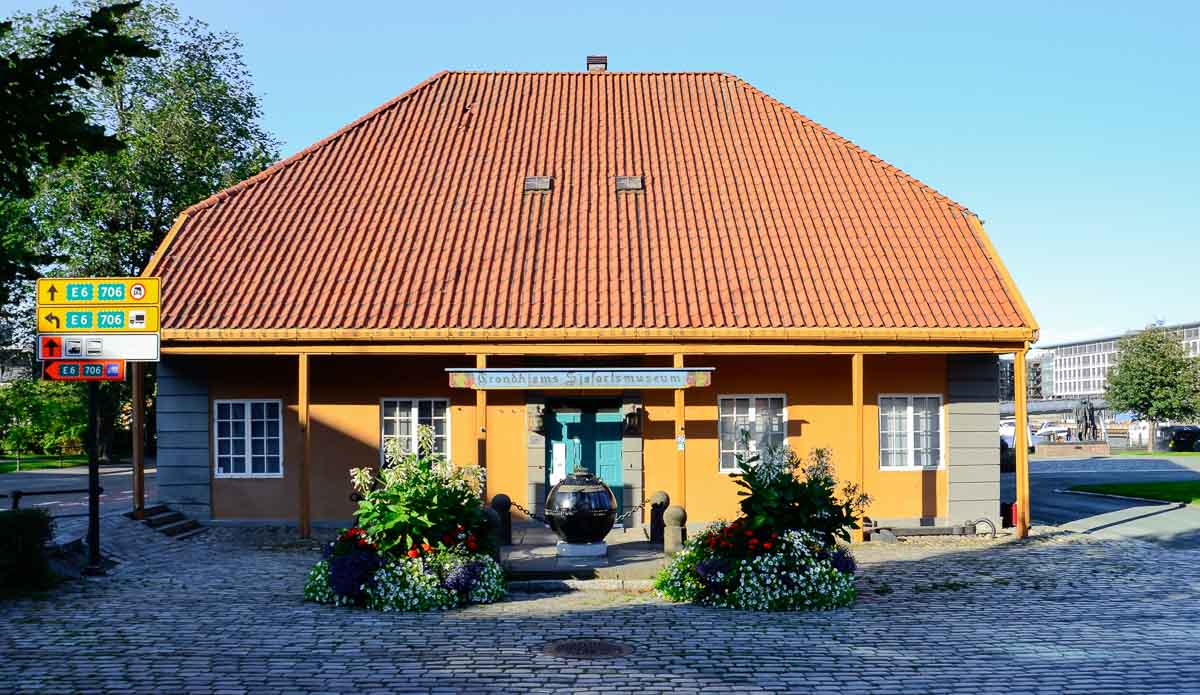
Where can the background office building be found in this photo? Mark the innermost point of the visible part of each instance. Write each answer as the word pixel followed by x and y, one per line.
pixel 1080 369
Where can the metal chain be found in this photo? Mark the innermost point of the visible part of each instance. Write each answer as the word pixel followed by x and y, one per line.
pixel 531 515
pixel 619 520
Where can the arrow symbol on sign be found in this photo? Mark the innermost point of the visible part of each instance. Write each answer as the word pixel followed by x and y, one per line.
pixel 54 319
pixel 51 347
pixel 47 374
pixel 52 291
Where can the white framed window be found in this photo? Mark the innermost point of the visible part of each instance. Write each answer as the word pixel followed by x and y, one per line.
pixel 910 431
pixel 400 418
pixel 248 438
pixel 761 416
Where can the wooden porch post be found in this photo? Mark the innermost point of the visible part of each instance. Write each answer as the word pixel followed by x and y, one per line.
pixel 302 410
pixel 481 419
pixel 856 400
pixel 138 435
pixel 680 441
pixel 1020 442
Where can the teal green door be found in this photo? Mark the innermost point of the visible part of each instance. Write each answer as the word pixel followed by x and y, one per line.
pixel 587 438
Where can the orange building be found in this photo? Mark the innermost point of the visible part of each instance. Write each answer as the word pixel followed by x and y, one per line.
pixel 621 271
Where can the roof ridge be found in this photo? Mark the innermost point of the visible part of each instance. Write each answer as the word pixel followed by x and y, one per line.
pixel 313 148
pixel 871 156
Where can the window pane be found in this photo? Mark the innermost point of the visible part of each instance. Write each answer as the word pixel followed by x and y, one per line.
pixel 222 429
pixel 726 406
pixel 272 446
pixel 728 462
pixel 223 411
pixel 258 428
pixel 257 464
pixel 272 465
pixel 237 411
pixel 741 406
pixel 439 409
pixel 424 411
pixel 258 446
pixel 439 445
pixel 272 428
pixel 239 428
pixel 239 447
pixel 256 411
pixel 389 428
pixel 273 411
pixel 223 448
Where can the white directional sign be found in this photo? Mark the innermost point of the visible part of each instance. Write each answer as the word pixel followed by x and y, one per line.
pixel 135 347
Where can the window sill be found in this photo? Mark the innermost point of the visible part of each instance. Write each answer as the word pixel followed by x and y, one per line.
pixel 910 469
pixel 248 476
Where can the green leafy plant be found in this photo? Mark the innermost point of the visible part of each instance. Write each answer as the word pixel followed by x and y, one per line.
pixel 1154 379
pixel 419 502
pixel 781 492
pixel 23 565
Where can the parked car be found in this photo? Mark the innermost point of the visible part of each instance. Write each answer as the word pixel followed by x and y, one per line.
pixel 1179 438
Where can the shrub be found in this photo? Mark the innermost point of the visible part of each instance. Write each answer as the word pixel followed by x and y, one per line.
pixel 781 553
pixel 436 580
pixel 796 572
pixel 781 492
pixel 419 501
pixel 23 536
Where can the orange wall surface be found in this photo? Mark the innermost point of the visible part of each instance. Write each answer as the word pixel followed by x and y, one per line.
pixel 345 413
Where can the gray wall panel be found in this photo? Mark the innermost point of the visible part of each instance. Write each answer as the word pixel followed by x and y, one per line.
pixel 182 419
pixel 973 437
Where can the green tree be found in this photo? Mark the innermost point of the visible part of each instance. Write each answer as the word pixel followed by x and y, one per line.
pixel 1154 379
pixel 43 126
pixel 42 416
pixel 189 124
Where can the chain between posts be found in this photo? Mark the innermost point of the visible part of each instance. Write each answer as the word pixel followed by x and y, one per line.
pixel 619 520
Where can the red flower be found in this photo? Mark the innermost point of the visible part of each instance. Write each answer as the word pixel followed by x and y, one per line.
pixel 471 544
pixel 413 553
pixel 749 533
pixel 767 545
pixel 426 547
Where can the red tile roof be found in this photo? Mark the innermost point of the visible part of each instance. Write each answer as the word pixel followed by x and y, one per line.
pixel 415 217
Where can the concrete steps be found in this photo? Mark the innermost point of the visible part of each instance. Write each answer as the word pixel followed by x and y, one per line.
pixel 169 522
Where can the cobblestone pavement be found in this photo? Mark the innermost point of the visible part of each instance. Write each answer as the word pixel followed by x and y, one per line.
pixel 221 613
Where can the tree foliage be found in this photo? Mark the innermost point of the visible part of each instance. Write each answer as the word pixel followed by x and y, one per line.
pixel 189 121
pixel 42 416
pixel 42 125
pixel 1154 378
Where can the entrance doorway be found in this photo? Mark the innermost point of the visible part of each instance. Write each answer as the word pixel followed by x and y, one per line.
pixel 585 434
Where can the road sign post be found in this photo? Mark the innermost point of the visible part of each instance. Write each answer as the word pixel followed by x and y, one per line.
pixel 88 328
pixel 95 566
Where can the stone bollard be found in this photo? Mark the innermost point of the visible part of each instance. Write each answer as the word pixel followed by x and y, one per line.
pixel 494 526
pixel 675 529
pixel 503 507
pixel 659 502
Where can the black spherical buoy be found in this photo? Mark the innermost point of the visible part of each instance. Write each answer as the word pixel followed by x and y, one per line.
pixel 581 508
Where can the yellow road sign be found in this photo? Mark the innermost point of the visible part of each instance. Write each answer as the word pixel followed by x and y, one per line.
pixel 106 319
pixel 97 292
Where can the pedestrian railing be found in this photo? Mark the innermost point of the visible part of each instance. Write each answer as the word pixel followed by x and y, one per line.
pixel 17 495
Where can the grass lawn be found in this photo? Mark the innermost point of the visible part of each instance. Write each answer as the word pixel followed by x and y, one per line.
pixel 1144 454
pixel 31 462
pixel 1187 491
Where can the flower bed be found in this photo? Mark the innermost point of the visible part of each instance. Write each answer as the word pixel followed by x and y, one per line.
pixel 782 552
pixel 422 543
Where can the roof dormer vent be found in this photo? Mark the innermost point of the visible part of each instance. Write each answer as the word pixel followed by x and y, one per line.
pixel 629 183
pixel 538 183
pixel 597 63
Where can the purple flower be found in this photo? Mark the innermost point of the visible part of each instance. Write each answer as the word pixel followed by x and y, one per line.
pixel 350 572
pixel 709 569
pixel 462 578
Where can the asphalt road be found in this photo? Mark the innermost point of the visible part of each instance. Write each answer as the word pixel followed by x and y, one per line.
pixel 117 482
pixel 1171 525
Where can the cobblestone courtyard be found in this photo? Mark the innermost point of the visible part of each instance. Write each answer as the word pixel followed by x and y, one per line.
pixel 222 613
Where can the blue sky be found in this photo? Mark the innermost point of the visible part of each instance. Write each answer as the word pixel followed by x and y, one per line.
pixel 1070 128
